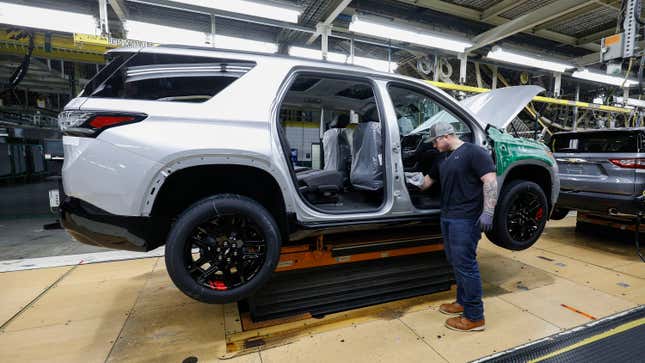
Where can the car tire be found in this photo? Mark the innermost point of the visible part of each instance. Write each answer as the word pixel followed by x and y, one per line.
pixel 513 229
pixel 559 214
pixel 203 229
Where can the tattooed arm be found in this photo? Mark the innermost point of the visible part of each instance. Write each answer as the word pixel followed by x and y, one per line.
pixel 490 201
pixel 490 192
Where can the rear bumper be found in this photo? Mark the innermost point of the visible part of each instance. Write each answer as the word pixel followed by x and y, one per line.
pixel 601 202
pixel 91 225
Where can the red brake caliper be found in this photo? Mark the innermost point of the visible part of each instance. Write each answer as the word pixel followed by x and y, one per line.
pixel 539 214
pixel 217 285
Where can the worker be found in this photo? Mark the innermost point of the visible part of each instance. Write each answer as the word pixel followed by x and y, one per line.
pixel 468 198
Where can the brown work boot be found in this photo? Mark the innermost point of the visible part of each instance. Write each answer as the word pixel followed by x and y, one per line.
pixel 451 309
pixel 461 323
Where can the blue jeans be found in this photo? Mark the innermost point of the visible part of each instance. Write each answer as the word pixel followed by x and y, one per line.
pixel 460 238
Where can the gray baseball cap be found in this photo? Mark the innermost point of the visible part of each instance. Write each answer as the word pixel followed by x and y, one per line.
pixel 440 129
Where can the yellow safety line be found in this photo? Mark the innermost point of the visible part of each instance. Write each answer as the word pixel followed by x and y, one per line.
pixel 595 338
pixel 557 101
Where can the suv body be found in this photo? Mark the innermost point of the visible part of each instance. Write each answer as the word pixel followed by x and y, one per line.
pixel 601 171
pixel 141 168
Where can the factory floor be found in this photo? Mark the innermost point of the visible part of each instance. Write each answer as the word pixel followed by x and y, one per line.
pixel 129 311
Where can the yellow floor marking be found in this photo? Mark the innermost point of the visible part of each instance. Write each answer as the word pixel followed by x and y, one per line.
pixel 595 338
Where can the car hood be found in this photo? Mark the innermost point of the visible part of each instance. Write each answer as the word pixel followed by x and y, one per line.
pixel 500 106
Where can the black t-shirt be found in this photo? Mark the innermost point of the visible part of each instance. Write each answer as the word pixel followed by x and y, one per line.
pixel 459 173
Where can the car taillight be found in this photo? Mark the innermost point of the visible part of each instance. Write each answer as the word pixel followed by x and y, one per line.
pixel 87 123
pixel 629 163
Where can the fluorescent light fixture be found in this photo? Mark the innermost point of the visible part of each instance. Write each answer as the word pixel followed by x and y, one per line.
pixel 226 42
pixel 168 35
pixel 503 55
pixel 268 10
pixel 165 34
pixel 390 30
pixel 376 64
pixel 41 18
pixel 603 78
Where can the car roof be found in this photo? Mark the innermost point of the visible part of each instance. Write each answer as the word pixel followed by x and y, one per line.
pixel 256 56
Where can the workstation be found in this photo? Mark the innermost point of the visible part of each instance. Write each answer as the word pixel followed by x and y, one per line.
pixel 321 181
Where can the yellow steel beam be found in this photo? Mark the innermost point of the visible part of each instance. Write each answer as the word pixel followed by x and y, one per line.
pixel 557 101
pixel 85 49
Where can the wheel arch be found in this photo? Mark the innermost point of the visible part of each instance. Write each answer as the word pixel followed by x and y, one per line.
pixel 537 172
pixel 186 181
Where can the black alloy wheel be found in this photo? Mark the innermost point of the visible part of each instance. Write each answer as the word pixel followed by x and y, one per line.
pixel 225 252
pixel 222 249
pixel 524 216
pixel 520 216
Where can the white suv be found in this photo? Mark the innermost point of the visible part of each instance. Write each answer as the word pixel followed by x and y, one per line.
pixel 228 157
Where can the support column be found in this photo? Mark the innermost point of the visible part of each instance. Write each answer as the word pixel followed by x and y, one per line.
pixel 104 28
pixel 494 82
pixel 463 63
pixel 324 30
pixel 575 109
pixel 557 84
pixel 213 29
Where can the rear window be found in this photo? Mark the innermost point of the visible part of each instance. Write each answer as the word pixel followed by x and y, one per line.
pixel 164 77
pixel 597 142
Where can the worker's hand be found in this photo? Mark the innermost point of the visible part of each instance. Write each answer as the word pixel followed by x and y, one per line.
pixel 415 179
pixel 486 222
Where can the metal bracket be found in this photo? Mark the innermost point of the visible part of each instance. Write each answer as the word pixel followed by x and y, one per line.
pixel 325 31
pixel 631 27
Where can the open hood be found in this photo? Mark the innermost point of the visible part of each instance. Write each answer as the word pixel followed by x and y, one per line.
pixel 500 106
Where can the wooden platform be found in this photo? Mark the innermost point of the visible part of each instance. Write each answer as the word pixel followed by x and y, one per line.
pixel 130 311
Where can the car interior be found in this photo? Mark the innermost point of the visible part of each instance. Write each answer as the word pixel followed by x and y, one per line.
pixel 416 112
pixel 332 131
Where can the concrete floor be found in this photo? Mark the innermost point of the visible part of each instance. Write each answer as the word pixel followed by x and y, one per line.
pixel 130 311
pixel 22 238
pixel 24 209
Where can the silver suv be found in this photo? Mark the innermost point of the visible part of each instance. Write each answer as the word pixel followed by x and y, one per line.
pixel 602 172
pixel 230 159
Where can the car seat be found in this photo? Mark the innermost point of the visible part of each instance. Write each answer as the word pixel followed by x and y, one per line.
pixel 338 155
pixel 367 162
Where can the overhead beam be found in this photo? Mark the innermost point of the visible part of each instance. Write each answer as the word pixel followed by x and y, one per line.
pixel 330 19
pixel 597 36
pixel 119 9
pixel 500 8
pixel 527 21
pixel 472 14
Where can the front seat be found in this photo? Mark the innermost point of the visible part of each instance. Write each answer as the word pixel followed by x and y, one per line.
pixel 367 161
pixel 338 154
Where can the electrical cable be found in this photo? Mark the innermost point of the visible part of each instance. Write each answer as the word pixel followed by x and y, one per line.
pixel 21 71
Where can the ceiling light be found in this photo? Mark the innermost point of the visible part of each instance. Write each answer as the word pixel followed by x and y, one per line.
pixel 390 30
pixel 164 34
pixel 269 10
pixel 226 42
pixel 168 35
pixel 376 64
pixel 42 18
pixel 603 78
pixel 503 55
